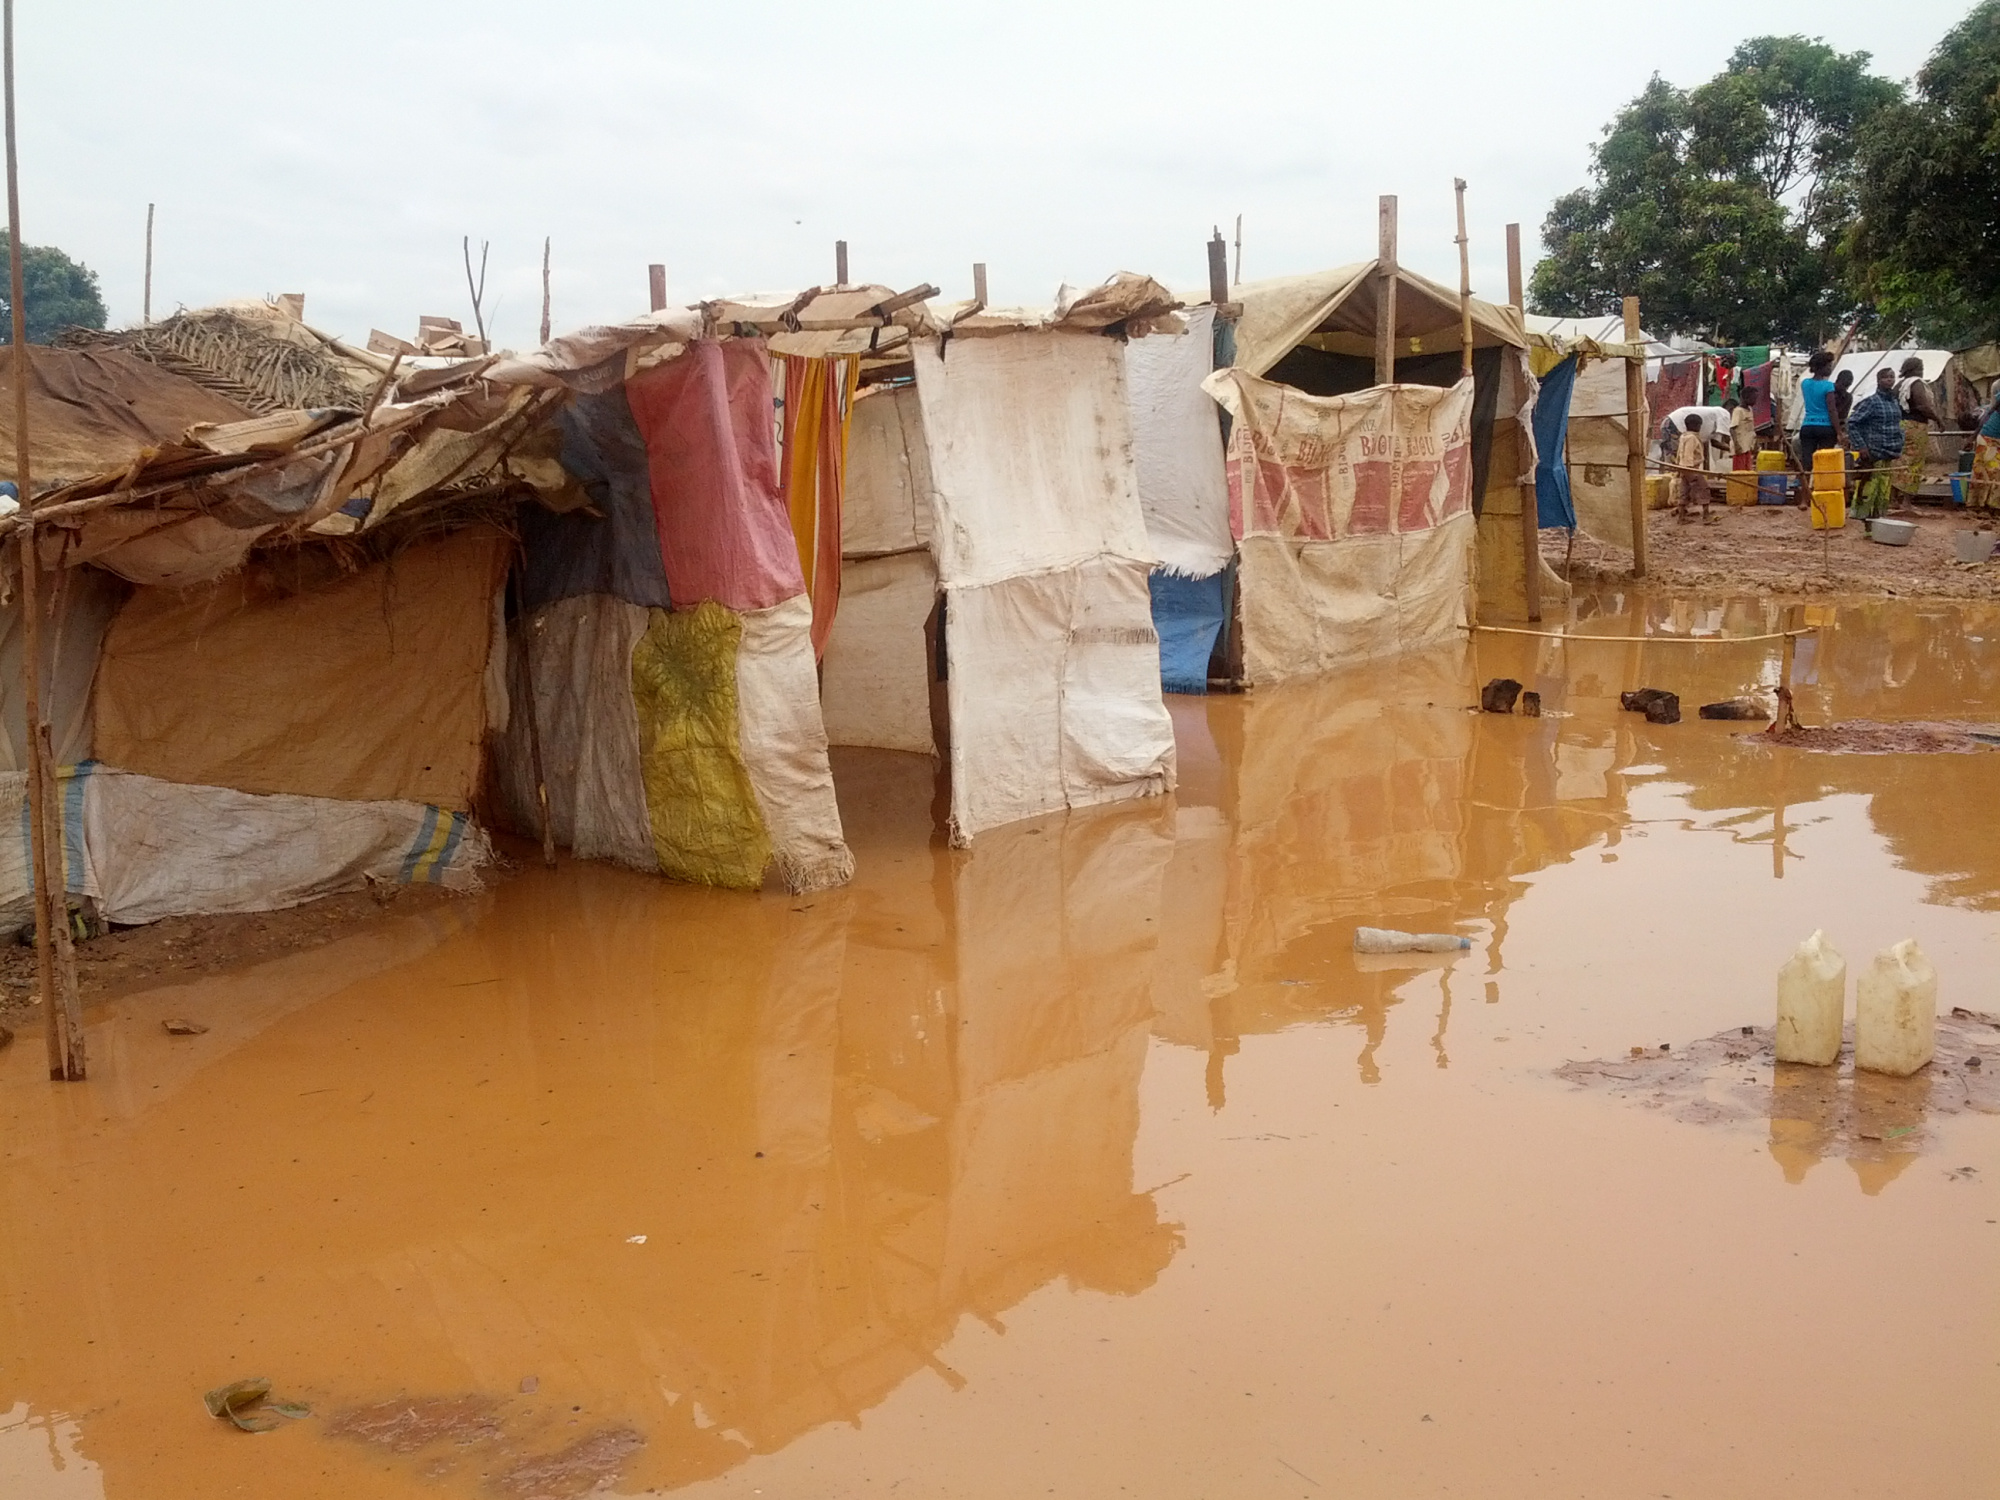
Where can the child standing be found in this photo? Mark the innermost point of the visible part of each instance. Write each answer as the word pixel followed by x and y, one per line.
pixel 1691 458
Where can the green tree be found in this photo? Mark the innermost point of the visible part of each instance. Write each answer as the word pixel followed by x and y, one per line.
pixel 1928 238
pixel 1724 209
pixel 59 292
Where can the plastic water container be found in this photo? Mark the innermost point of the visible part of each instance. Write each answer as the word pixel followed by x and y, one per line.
pixel 1958 489
pixel 1812 1003
pixel 1895 1011
pixel 1829 490
pixel 1772 488
pixel 1741 487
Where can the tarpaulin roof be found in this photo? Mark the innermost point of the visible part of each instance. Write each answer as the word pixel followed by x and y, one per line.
pixel 95 410
pixel 1278 315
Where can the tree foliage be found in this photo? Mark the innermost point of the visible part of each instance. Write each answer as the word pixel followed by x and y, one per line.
pixel 1927 242
pixel 59 292
pixel 1724 208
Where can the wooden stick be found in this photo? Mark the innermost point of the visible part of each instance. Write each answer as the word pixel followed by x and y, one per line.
pixel 840 262
pixel 1218 269
pixel 656 286
pixel 1531 520
pixel 895 304
pixel 146 308
pixel 1239 250
pixel 479 291
pixel 978 284
pixel 534 716
pixel 1637 421
pixel 545 289
pixel 1464 281
pixel 1385 295
pixel 64 1017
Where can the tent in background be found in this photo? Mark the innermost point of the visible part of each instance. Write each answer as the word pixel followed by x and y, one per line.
pixel 1595 455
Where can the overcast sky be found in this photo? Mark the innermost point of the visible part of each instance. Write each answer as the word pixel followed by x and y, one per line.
pixel 342 149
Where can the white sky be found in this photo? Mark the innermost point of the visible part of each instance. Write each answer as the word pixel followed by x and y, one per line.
pixel 342 149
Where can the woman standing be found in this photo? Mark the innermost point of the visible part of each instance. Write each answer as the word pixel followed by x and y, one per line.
pixel 1982 490
pixel 1817 430
pixel 1920 415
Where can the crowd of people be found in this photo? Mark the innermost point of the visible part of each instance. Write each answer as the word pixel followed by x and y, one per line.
pixel 1886 433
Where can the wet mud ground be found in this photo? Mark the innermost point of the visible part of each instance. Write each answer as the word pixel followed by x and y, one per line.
pixel 1090 1161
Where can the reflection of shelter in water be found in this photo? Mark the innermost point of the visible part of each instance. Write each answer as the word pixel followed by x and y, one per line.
pixel 1365 798
pixel 842 1126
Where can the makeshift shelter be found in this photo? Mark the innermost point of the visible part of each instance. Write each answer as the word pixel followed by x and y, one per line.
pixel 667 622
pixel 1354 512
pixel 1590 467
pixel 269 643
pixel 995 557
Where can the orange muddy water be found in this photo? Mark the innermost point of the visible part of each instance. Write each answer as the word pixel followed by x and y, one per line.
pixel 1090 1161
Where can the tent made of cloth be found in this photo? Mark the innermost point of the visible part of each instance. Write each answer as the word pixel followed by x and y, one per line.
pixel 995 601
pixel 1357 576
pixel 665 633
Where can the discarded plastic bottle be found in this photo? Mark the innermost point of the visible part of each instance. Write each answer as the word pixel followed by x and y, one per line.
pixel 1812 1001
pixel 1895 1011
pixel 1386 940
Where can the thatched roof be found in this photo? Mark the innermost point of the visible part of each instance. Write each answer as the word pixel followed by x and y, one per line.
pixel 257 355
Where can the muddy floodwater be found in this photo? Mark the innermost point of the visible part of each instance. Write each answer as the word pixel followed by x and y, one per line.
pixel 1090 1161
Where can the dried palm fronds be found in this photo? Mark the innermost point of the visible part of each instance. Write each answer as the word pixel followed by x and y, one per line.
pixel 256 361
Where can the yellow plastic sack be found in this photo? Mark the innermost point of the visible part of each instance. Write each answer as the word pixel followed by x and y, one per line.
pixel 699 801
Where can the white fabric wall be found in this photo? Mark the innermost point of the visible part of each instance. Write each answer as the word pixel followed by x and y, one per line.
pixel 1177 448
pixel 875 683
pixel 886 505
pixel 783 740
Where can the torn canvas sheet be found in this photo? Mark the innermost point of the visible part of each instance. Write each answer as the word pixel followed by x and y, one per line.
pixel 1177 448
pixel 615 551
pixel 887 505
pixel 876 683
pixel 1386 460
pixel 711 452
pixel 150 849
pixel 383 675
pixel 1054 688
pixel 1310 607
pixel 579 653
pixel 1031 454
pixel 784 746
pixel 1355 518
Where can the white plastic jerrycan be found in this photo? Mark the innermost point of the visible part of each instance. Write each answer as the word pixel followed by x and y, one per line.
pixel 1812 1002
pixel 1895 1011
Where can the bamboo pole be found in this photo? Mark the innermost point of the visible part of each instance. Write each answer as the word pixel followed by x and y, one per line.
pixel 1464 282
pixel 1385 295
pixel 1531 520
pixel 545 289
pixel 55 964
pixel 1638 422
pixel 146 308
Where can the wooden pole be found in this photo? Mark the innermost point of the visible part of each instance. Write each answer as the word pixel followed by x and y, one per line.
pixel 1531 520
pixel 1638 423
pixel 545 289
pixel 1385 293
pixel 146 307
pixel 840 262
pixel 534 714
pixel 1239 250
pixel 1218 270
pixel 979 284
pixel 656 285
pixel 1464 282
pixel 55 971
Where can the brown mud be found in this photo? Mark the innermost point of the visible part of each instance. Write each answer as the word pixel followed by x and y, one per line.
pixel 1873 1121
pixel 1090 1160
pixel 1773 547
pixel 1859 737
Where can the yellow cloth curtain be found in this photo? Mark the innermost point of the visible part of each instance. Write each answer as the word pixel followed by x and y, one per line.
pixel 819 405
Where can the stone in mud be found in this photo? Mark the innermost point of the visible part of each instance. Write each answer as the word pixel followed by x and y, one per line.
pixel 1665 709
pixel 1636 700
pixel 1735 708
pixel 1531 705
pixel 1498 696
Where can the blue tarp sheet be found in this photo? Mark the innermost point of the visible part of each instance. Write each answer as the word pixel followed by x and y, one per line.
pixel 617 552
pixel 1188 613
pixel 1553 506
